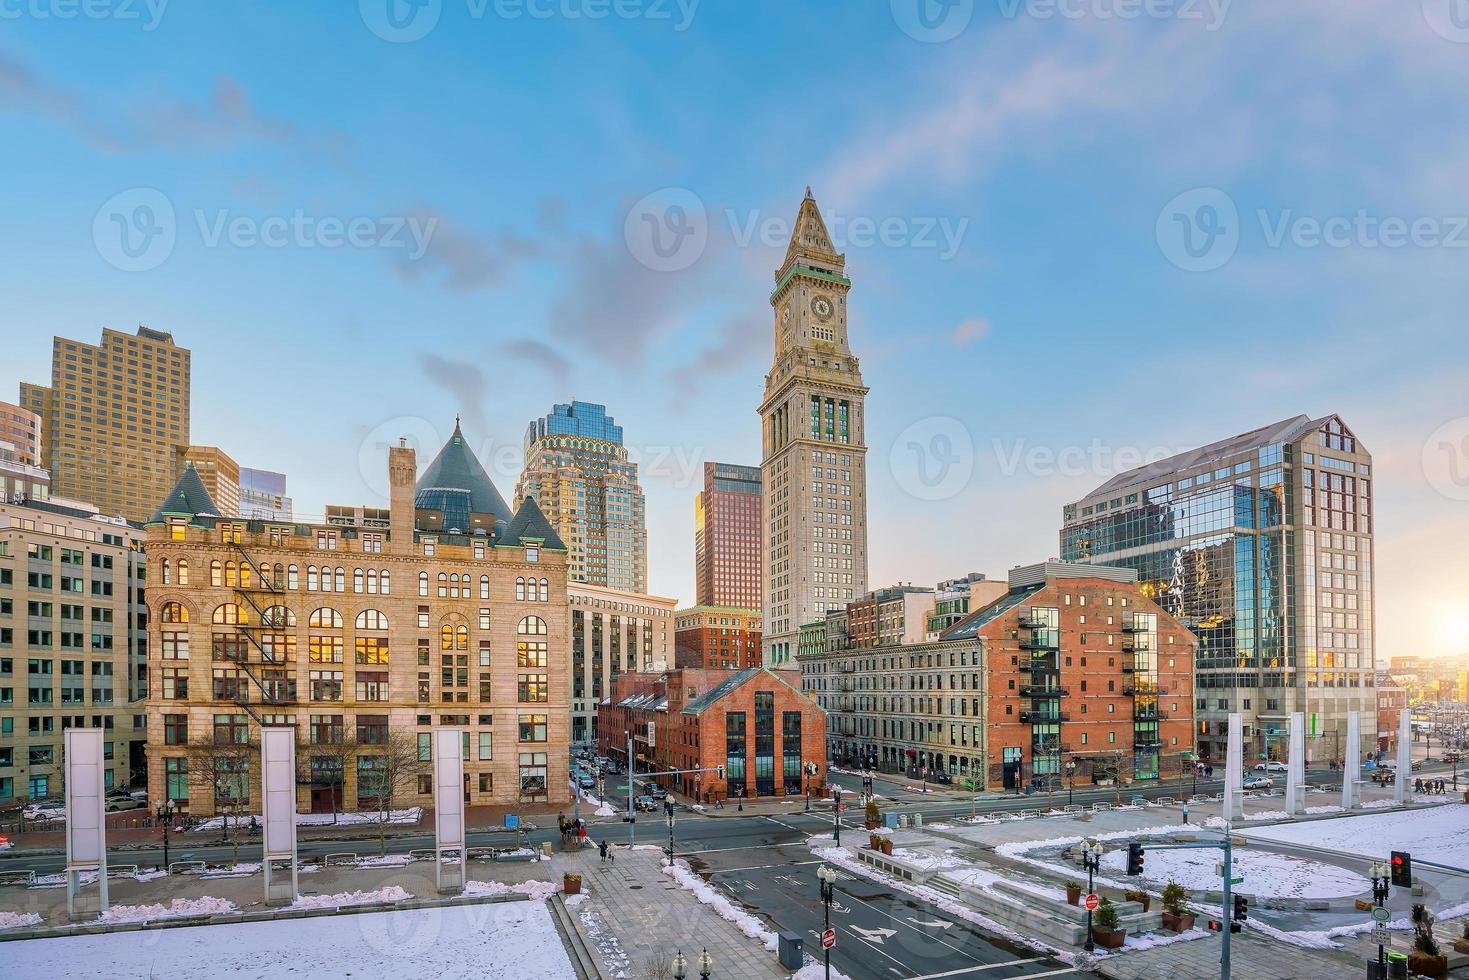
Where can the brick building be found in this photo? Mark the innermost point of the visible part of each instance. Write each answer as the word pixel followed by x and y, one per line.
pixel 717 638
pixel 364 633
pixel 768 736
pixel 727 537
pixel 1390 703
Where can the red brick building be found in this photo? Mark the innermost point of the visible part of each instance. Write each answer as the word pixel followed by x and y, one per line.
pixel 727 553
pixel 1085 678
pixel 1390 703
pixel 716 638
pixel 769 737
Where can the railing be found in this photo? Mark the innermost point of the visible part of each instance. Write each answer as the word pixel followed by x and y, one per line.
pixel 1027 623
pixel 1150 716
pixel 1044 692
pixel 1043 717
pixel 1037 645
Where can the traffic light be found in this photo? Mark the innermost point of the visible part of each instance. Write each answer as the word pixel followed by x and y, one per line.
pixel 1402 869
pixel 1215 925
pixel 1241 908
pixel 1134 858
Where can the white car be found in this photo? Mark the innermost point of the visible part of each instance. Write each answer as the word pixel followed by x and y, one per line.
pixel 1272 766
pixel 1258 782
pixel 44 811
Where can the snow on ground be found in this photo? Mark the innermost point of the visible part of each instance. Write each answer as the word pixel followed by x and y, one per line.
pixel 412 815
pixel 18 920
pixel 601 937
pixel 813 970
pixel 1441 833
pixel 499 941
pixel 391 893
pixel 178 907
pixel 928 860
pixel 536 891
pixel 1266 875
pixel 749 924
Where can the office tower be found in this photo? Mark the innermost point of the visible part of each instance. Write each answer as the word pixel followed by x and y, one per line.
pixel 21 428
pixel 1261 544
pixel 112 418
pixel 612 633
pixel 727 552
pixel 263 495
pixel 578 471
pixel 219 473
pixel 813 469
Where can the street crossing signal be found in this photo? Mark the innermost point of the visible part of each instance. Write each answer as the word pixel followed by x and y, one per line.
pixel 1402 869
pixel 1241 908
pixel 1215 925
pixel 1134 858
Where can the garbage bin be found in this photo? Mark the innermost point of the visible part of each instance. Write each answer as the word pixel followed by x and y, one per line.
pixel 1397 966
pixel 918 820
pixel 791 951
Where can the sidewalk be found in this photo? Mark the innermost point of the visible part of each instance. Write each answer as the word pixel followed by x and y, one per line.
pixel 1252 957
pixel 631 915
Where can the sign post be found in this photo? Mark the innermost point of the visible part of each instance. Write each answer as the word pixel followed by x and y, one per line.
pixel 829 939
pixel 449 810
pixel 86 830
pixel 1295 765
pixel 1092 902
pixel 1352 771
pixel 278 777
pixel 1234 804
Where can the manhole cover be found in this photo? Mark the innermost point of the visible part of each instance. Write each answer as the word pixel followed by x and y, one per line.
pixel 634 886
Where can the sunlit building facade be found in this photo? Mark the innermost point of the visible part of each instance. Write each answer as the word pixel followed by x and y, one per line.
pixel 727 537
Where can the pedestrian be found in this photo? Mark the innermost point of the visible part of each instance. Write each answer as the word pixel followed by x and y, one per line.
pixel 1185 811
pixel 254 827
pixel 1418 785
pixel 602 849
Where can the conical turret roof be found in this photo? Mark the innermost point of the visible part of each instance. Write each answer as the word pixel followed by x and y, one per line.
pixel 530 522
pixel 458 485
pixel 188 498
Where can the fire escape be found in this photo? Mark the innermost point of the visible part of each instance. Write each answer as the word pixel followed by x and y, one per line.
pixel 275 690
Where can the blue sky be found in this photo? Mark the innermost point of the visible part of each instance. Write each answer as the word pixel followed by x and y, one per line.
pixel 1031 293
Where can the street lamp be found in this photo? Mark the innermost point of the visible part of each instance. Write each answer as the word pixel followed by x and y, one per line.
pixel 1091 857
pixel 836 813
pixel 706 965
pixel 165 811
pixel 668 810
pixel 1070 781
pixel 680 966
pixel 828 879
pixel 1380 891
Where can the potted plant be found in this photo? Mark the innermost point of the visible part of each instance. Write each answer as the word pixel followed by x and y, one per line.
pixel 887 845
pixel 1461 945
pixel 1073 892
pixel 875 840
pixel 1139 896
pixel 1426 959
pixel 871 816
pixel 571 883
pixel 1176 915
pixel 1106 931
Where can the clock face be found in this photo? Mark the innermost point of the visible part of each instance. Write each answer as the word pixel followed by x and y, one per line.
pixel 822 307
pixel 785 314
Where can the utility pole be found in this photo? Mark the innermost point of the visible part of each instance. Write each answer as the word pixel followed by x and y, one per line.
pixel 632 768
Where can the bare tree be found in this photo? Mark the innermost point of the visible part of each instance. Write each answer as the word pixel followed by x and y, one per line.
pixel 388 771
pixel 225 765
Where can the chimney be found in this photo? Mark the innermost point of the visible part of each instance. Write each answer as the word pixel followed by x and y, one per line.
pixel 402 474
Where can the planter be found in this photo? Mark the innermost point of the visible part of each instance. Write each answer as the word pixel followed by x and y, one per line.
pixel 1109 939
pixel 874 841
pixel 1143 898
pixel 1461 946
pixel 1428 966
pixel 887 846
pixel 1073 896
pixel 571 884
pixel 1177 923
pixel 871 824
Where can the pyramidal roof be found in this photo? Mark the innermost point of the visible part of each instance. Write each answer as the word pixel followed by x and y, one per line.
pixel 188 498
pixel 454 475
pixel 530 522
pixel 809 233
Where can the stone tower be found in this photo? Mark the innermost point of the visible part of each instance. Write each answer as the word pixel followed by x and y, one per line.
pixel 814 459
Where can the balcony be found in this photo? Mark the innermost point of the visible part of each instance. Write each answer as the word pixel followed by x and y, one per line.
pixel 1038 665
pixel 1043 717
pixel 1132 628
pixel 1043 692
pixel 1026 623
pixel 1149 716
pixel 1033 644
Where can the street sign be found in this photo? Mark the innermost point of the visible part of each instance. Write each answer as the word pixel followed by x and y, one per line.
pixel 1237 881
pixel 1380 914
pixel 828 939
pixel 1380 935
pixel 1091 902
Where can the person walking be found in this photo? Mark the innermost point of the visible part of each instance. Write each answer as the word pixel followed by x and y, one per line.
pixel 602 849
pixel 1185 811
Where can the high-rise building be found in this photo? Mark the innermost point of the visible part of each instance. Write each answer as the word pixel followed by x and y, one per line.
pixel 263 495
pixel 813 467
pixel 612 633
pixel 112 419
pixel 579 472
pixel 717 638
pixel 21 428
pixel 727 551
pixel 1261 544
pixel 72 651
pixel 452 612
pixel 220 474
pixel 20 481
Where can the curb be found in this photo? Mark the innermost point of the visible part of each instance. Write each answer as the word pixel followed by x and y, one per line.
pixel 582 959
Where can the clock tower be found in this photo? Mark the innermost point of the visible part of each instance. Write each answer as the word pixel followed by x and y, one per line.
pixel 814 450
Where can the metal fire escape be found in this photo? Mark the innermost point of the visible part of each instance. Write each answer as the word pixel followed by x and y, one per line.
pixel 249 623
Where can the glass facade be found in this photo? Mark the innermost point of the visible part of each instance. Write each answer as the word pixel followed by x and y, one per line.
pixel 735 753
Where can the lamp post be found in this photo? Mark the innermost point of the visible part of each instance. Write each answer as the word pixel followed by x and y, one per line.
pixel 680 966
pixel 165 811
pixel 1380 891
pixel 706 965
pixel 1070 782
pixel 828 879
pixel 836 813
pixel 668 811
pixel 1091 857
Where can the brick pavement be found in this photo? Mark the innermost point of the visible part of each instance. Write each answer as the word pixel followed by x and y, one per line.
pixel 1252 957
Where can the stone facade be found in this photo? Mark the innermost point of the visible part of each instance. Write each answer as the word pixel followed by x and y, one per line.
pixel 613 632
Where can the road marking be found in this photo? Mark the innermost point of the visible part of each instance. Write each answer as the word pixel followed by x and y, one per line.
pixel 874 935
pixel 787 826
pixel 926 935
pixel 996 966
pixel 937 924
pixel 758 867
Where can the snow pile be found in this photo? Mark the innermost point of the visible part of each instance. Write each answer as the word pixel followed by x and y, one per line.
pixel 602 808
pixel 1155 939
pixel 572 901
pixel 412 815
pixel 536 891
pixel 1442 831
pixel 18 920
pixel 927 860
pixel 240 870
pixel 1266 815
pixel 1323 809
pixel 815 971
pixel 1266 875
pixel 723 907
pixel 384 861
pixel 391 893
pixel 178 907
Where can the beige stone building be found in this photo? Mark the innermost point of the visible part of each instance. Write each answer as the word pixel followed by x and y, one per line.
pixel 112 418
pixel 613 632
pixel 814 462
pixel 219 472
pixel 364 635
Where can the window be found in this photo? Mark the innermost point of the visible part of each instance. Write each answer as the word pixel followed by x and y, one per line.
pixel 533 688
pixel 371 619
pixel 326 685
pixel 325 617
pixel 486 748
pixel 533 728
pixel 372 729
pixel 176 773
pixel 372 685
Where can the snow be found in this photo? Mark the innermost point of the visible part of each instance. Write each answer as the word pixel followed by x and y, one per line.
pixel 499 941
pixel 412 815
pixel 18 920
pixel 1152 940
pixel 391 893
pixel 749 924
pixel 572 901
pixel 1266 875
pixel 815 971
pixel 927 860
pixel 178 907
pixel 1441 831
pixel 536 891
pixel 602 938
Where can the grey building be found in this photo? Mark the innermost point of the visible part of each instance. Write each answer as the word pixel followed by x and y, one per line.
pixel 263 495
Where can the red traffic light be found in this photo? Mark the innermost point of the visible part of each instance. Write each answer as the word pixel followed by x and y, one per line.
pixel 1397 859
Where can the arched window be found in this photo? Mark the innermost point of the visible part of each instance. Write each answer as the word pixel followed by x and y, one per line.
pixel 532 626
pixel 461 637
pixel 520 590
pixel 293 578
pixel 371 580
pixel 545 591
pixel 423 583
pixel 387 579
pixel 183 571
pixel 359 581
pixel 173 612
pixel 372 619
pixel 531 652
pixel 484 586
pixel 215 578
pixel 446 637
pixel 230 614
pixel 310 578
pixel 164 569
pixel 443 586
pixel 245 572
pixel 341 578
pixel 231 575
pixel 325 617
pixel 277 617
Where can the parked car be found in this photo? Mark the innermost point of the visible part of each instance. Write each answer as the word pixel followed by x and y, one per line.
pixel 646 804
pixel 1452 756
pixel 117 804
pixel 657 792
pixel 586 782
pixel 1258 782
pixel 1383 774
pixel 49 810
pixel 940 777
pixel 1417 764
pixel 1271 766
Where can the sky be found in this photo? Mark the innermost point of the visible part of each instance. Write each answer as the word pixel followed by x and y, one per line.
pixel 1080 233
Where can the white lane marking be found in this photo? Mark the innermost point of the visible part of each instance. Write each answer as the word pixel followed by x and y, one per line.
pixel 996 966
pixel 874 935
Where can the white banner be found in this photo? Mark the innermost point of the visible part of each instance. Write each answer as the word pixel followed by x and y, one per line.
pixel 278 777
pixel 449 787
pixel 651 741
pixel 86 845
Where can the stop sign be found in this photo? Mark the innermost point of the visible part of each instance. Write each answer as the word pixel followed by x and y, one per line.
pixel 1091 902
pixel 828 939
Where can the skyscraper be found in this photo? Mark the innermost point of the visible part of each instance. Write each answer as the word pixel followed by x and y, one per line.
pixel 727 537
pixel 21 428
pixel 1261 544
pixel 263 495
pixel 579 473
pixel 814 464
pixel 112 418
